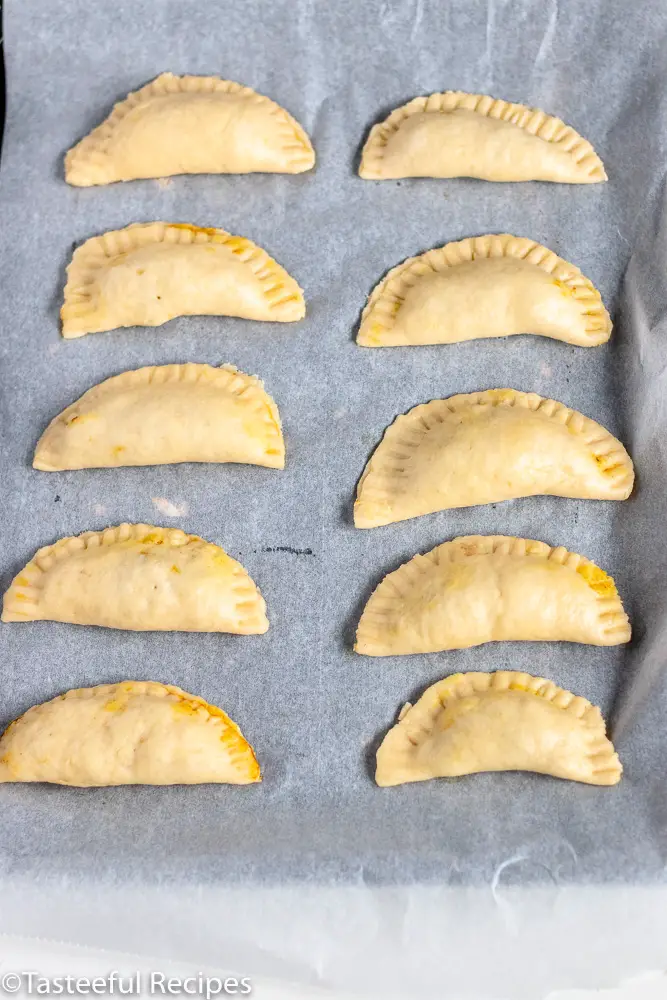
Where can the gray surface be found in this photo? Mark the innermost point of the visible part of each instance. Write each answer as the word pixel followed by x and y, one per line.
pixel 313 709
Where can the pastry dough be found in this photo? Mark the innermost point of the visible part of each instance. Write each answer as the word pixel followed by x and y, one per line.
pixel 190 125
pixel 165 414
pixel 139 577
pixel 134 733
pixel 488 588
pixel 485 447
pixel 471 135
pixel 484 286
pixel 149 273
pixel 506 721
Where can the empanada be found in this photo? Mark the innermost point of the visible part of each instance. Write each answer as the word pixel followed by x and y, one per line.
pixel 489 588
pixel 484 286
pixel 190 125
pixel 151 272
pixel 134 733
pixel 506 721
pixel 166 414
pixel 139 577
pixel 471 135
pixel 485 447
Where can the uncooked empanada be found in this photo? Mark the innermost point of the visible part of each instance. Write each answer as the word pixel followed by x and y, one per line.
pixel 485 447
pixel 484 286
pixel 506 721
pixel 190 125
pixel 137 576
pixel 166 414
pixel 151 272
pixel 488 588
pixel 472 135
pixel 133 733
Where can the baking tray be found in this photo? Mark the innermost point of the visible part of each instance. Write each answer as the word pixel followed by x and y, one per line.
pixel 314 710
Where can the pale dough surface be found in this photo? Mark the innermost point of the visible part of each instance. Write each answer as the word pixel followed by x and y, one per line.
pixel 490 588
pixel 190 125
pixel 139 577
pixel 456 134
pixel 486 447
pixel 149 273
pixel 132 733
pixel 497 285
pixel 166 414
pixel 504 721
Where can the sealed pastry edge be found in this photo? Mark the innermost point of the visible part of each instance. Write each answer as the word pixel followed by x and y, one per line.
pixel 533 120
pixel 232 381
pixel 85 160
pixel 420 717
pixel 379 315
pixel 369 632
pixel 282 294
pixel 371 505
pixel 134 687
pixel 23 591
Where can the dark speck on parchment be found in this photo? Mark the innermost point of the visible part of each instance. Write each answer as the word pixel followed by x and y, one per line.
pixel 288 549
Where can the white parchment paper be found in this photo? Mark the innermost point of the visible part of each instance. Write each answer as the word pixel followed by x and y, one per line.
pixel 313 709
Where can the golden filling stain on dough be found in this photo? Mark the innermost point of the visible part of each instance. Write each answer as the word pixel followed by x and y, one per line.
pixel 115 705
pixel 598 580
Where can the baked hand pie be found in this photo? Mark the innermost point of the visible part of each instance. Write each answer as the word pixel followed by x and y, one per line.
pixel 471 135
pixel 490 588
pixel 166 414
pixel 190 125
pixel 133 733
pixel 481 287
pixel 138 577
pixel 506 721
pixel 149 273
pixel 486 447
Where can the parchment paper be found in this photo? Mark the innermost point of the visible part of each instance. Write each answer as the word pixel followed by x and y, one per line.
pixel 312 708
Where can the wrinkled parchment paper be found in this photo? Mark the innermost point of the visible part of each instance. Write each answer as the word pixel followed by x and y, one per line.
pixel 313 709
pixel 337 942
